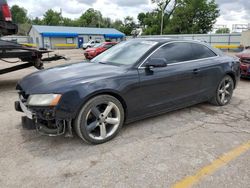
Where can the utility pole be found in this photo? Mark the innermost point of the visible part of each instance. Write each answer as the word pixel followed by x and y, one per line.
pixel 163 6
pixel 162 20
pixel 99 20
pixel 61 17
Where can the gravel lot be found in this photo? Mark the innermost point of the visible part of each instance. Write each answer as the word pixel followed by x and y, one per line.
pixel 156 152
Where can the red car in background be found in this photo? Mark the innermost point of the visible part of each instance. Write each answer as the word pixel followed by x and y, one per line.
pixel 244 63
pixel 90 53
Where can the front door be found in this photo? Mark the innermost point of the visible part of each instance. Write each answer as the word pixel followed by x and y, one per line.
pixel 80 42
pixel 173 86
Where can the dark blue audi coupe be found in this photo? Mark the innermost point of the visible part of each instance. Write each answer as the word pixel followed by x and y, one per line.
pixel 133 80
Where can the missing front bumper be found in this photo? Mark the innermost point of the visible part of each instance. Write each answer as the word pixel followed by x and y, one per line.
pixel 33 124
pixel 28 124
pixel 48 127
pixel 57 129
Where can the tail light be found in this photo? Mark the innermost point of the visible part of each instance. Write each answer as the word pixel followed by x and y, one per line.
pixel 6 13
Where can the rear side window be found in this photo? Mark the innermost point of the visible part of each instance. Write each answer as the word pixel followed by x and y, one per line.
pixel 175 52
pixel 200 51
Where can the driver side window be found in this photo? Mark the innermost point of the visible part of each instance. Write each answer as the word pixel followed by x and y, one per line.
pixel 175 52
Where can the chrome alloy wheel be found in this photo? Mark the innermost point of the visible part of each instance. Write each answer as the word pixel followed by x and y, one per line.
pixel 102 120
pixel 225 90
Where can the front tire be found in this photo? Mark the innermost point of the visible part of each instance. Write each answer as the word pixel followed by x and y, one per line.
pixel 100 119
pixel 224 92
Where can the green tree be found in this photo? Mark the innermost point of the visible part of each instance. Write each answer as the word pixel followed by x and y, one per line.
pixel 37 21
pixel 223 30
pixel 23 29
pixel 128 25
pixel 193 16
pixel 68 22
pixel 150 22
pixel 52 18
pixel 141 18
pixel 117 24
pixel 166 9
pixel 90 18
pixel 106 22
pixel 19 14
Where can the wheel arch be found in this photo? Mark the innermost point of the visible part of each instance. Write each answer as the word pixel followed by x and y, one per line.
pixel 105 92
pixel 232 75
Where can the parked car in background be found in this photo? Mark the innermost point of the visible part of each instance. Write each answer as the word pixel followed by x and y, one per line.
pixel 90 53
pixel 133 80
pixel 90 44
pixel 244 63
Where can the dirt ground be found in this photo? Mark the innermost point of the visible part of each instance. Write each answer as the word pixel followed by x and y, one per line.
pixel 156 152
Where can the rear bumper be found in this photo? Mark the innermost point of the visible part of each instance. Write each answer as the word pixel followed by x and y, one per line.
pixel 245 72
pixel 245 68
pixel 245 75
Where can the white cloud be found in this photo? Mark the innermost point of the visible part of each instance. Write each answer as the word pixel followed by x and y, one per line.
pixel 232 11
pixel 116 9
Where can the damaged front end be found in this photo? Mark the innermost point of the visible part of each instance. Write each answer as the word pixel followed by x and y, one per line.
pixel 42 118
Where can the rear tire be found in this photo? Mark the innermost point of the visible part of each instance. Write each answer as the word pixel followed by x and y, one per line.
pixel 100 119
pixel 224 92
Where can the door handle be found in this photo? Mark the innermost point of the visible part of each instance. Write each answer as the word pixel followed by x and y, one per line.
pixel 196 71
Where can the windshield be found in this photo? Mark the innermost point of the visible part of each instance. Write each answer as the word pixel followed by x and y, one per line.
pixel 125 53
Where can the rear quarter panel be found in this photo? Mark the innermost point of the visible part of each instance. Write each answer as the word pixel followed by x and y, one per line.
pixel 231 66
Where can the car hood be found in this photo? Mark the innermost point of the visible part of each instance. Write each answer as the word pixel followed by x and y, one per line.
pixel 62 78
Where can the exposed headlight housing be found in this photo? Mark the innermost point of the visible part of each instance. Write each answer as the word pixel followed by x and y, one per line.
pixel 43 99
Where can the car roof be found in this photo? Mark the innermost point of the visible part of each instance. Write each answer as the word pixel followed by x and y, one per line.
pixel 154 39
pixel 164 40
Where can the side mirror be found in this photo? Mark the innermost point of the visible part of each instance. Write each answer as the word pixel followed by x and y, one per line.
pixel 156 62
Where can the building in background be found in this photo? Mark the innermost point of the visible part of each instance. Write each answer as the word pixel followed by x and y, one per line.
pixel 55 37
pixel 245 38
pixel 218 26
pixel 239 28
